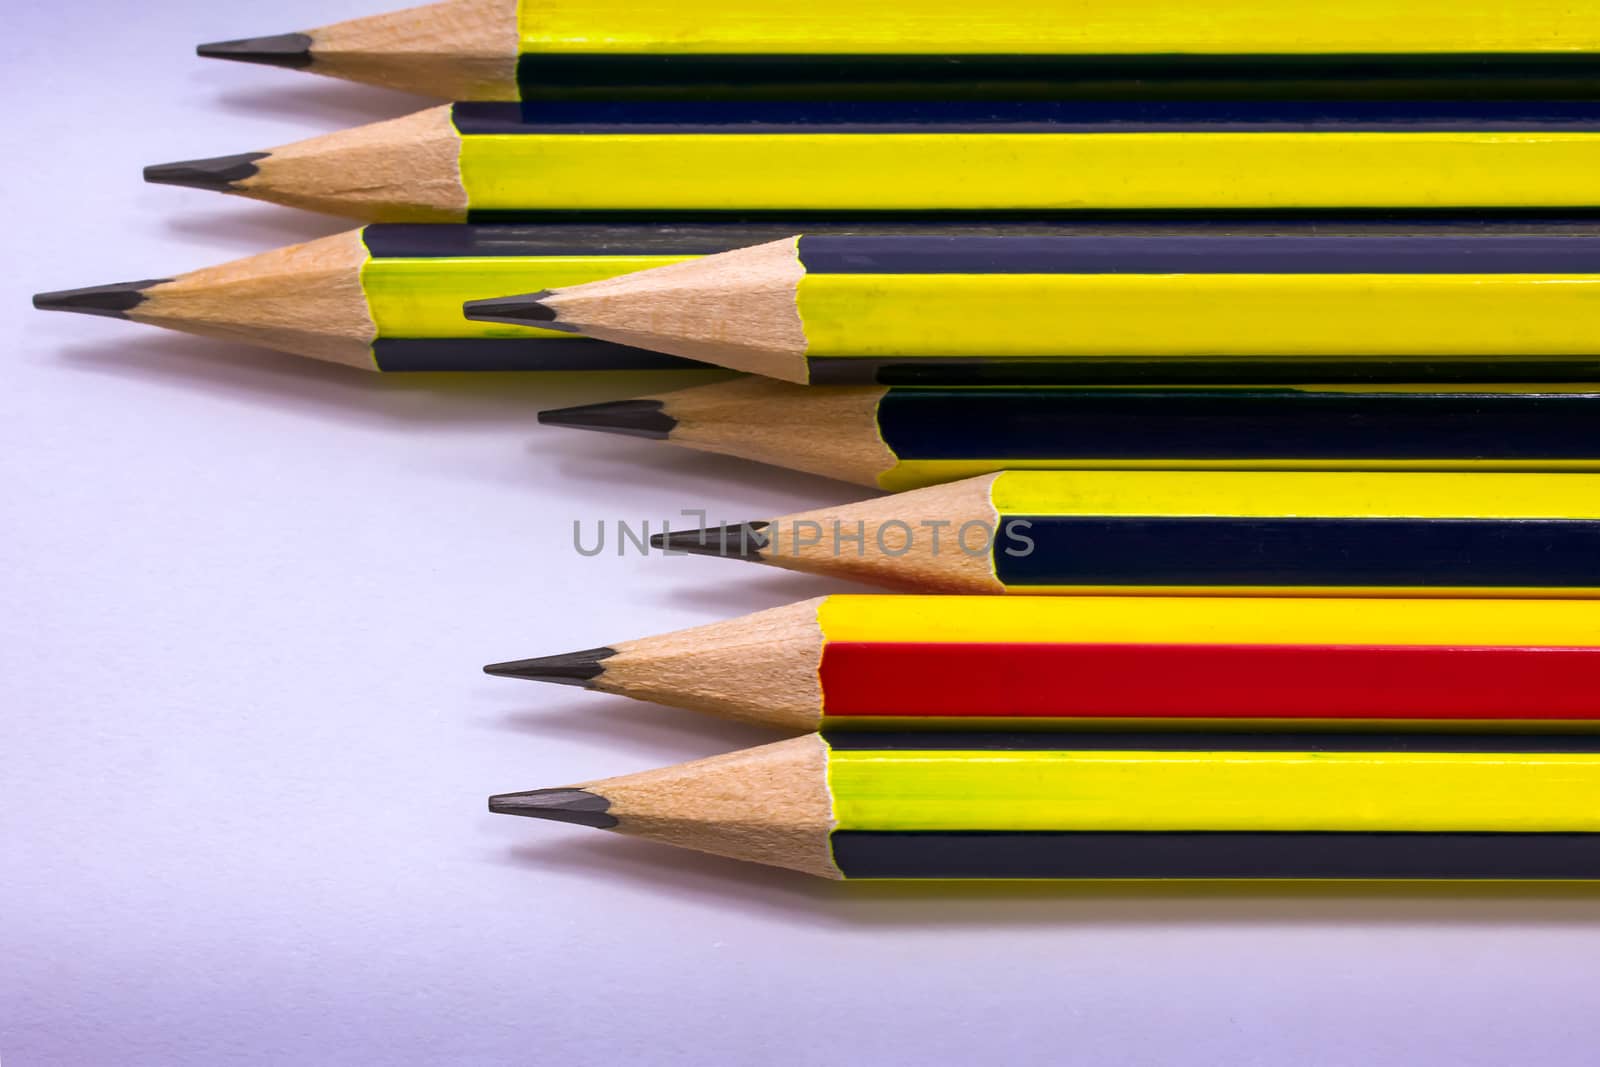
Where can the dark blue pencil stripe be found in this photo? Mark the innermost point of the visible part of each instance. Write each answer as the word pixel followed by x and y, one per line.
pixel 843 370
pixel 1163 741
pixel 696 235
pixel 1023 116
pixel 1473 553
pixel 554 76
pixel 1014 854
pixel 1235 424
pixel 701 236
pixel 534 353
pixel 1437 254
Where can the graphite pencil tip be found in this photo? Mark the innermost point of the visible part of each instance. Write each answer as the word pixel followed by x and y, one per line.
pixel 111 301
pixel 217 175
pixel 525 310
pixel 739 540
pixel 631 418
pixel 571 668
pixel 292 50
pixel 560 805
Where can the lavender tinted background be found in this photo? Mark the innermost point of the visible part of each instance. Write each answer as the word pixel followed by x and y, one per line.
pixel 245 746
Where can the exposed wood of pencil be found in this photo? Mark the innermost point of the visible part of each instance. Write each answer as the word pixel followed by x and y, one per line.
pixel 831 431
pixel 823 541
pixel 458 50
pixel 760 668
pixel 768 805
pixel 404 170
pixel 736 309
pixel 305 299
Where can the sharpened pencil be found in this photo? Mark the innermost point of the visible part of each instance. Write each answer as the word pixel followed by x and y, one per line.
pixel 908 437
pixel 1350 533
pixel 388 296
pixel 494 161
pixel 506 50
pixel 1099 662
pixel 839 309
pixel 1085 806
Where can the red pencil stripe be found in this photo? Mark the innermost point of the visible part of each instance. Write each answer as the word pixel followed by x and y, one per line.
pixel 1210 681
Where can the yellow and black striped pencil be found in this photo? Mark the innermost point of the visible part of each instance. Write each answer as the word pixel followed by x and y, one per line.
pixel 479 162
pixel 1350 533
pixel 908 436
pixel 511 50
pixel 843 309
pixel 848 805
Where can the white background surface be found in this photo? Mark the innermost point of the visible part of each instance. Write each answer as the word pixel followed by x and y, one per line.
pixel 244 744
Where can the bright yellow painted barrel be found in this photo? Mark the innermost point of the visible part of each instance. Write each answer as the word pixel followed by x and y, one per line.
pixel 1030 171
pixel 1199 315
pixel 1067 26
pixel 908 790
pixel 1236 620
pixel 422 297
pixel 1297 494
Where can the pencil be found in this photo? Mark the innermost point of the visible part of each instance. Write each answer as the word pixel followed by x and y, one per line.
pixel 505 50
pixel 388 296
pixel 1050 806
pixel 908 437
pixel 839 309
pixel 488 160
pixel 1377 533
pixel 1112 662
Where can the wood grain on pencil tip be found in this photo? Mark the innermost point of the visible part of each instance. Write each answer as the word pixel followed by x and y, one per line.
pixel 306 299
pixel 403 170
pixel 458 50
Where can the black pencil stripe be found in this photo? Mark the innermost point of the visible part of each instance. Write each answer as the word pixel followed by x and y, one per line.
pixel 982 854
pixel 1284 424
pixel 579 117
pixel 847 370
pixel 556 76
pixel 849 740
pixel 1144 551
pixel 401 354
pixel 1438 254
pixel 697 235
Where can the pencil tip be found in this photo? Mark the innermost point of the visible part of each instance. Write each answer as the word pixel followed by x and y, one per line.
pixel 292 50
pixel 217 175
pixel 111 301
pixel 631 418
pixel 525 310
pixel 571 668
pixel 577 806
pixel 740 540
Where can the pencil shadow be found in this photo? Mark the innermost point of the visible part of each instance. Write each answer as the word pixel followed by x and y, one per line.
pixel 627 462
pixel 250 227
pixel 258 376
pixel 719 884
pixel 303 99
pixel 659 734
pixel 748 587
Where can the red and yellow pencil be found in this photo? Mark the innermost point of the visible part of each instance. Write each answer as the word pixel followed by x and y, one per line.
pixel 1093 661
